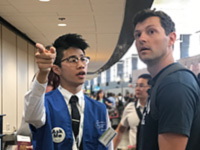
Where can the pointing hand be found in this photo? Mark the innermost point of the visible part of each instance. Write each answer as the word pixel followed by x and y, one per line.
pixel 45 58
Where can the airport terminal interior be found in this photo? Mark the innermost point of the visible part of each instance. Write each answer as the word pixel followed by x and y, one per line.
pixel 106 25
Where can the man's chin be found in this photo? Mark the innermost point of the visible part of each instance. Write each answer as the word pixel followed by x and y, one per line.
pixel 144 60
pixel 78 84
pixel 147 60
pixel 81 82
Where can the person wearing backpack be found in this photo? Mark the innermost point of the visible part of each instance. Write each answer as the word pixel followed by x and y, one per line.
pixel 120 104
pixel 171 117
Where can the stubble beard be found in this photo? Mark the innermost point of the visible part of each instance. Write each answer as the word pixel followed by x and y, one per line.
pixel 148 61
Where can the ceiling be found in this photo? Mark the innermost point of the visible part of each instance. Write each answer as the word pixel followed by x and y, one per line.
pixel 100 22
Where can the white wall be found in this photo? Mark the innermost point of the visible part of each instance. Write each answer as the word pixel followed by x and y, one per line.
pixel 9 94
pixel 17 67
pixel 22 75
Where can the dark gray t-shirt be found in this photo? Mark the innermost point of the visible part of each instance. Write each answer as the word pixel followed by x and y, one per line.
pixel 178 106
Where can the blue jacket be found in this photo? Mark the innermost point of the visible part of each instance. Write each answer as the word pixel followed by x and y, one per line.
pixel 57 134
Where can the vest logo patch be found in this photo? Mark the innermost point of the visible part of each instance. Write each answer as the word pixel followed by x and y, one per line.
pixel 101 125
pixel 58 134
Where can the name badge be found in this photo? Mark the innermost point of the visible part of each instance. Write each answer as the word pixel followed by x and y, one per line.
pixel 107 136
pixel 58 134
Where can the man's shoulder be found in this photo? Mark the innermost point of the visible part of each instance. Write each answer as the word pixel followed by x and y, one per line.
pixel 182 77
pixel 173 73
pixel 53 93
pixel 179 82
pixel 90 99
pixel 130 107
pixel 93 101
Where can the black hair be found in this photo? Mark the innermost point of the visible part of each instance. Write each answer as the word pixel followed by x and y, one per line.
pixel 98 92
pixel 53 79
pixel 165 20
pixel 119 94
pixel 66 41
pixel 110 94
pixel 48 47
pixel 145 76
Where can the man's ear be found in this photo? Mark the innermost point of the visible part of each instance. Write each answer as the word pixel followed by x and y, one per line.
pixel 172 38
pixel 56 69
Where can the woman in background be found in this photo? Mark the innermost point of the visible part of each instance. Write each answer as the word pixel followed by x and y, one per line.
pixel 101 98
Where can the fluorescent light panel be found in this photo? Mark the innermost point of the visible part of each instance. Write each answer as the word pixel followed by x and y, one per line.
pixel 62 24
pixel 44 0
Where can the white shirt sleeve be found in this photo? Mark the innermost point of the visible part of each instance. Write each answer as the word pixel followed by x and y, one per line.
pixel 126 113
pixel 34 110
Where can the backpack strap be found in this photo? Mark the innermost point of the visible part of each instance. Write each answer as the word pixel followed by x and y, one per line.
pixel 139 124
pixel 138 111
pixel 173 68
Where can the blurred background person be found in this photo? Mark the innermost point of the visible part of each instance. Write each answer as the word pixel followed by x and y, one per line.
pixel 133 112
pixel 101 98
pixel 127 96
pixel 111 98
pixel 120 102
pixel 53 81
pixel 92 95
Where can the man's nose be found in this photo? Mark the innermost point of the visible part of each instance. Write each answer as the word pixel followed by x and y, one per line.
pixel 80 64
pixel 137 88
pixel 143 37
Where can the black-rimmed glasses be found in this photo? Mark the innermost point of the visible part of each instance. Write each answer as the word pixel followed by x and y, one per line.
pixel 140 85
pixel 74 60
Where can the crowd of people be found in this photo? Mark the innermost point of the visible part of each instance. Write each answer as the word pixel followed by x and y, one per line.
pixel 125 112
pixel 115 104
pixel 164 114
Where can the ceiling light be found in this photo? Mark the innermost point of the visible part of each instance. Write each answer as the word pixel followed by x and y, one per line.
pixel 44 0
pixel 62 24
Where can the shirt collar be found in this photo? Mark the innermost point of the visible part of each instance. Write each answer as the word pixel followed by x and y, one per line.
pixel 152 82
pixel 67 95
pixel 138 104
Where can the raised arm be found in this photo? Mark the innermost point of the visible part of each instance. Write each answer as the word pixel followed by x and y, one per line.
pixel 34 110
pixel 44 59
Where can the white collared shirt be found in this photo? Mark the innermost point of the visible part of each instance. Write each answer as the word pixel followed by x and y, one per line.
pixel 34 109
pixel 130 119
pixel 140 106
pixel 81 107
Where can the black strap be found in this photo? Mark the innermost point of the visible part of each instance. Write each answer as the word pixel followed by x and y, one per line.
pixel 173 68
pixel 138 110
pixel 138 127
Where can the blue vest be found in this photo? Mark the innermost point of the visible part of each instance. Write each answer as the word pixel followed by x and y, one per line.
pixel 58 123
